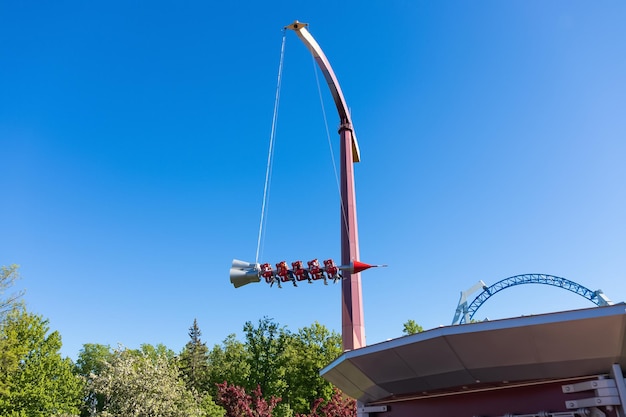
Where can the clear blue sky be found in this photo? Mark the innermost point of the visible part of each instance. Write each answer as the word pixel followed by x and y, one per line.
pixel 134 135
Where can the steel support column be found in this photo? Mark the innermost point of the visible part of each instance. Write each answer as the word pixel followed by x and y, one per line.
pixel 353 329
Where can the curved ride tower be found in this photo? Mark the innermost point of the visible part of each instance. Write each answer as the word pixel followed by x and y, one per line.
pixel 352 329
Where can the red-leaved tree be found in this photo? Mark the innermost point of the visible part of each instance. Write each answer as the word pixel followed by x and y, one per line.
pixel 238 403
pixel 337 406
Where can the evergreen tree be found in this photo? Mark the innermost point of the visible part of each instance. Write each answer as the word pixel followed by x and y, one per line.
pixel 411 327
pixel 194 360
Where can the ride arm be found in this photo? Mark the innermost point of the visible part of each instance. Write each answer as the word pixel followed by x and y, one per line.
pixel 331 80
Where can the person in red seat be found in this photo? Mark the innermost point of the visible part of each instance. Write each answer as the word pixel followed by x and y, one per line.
pixel 331 270
pixel 283 272
pixel 300 272
pixel 268 274
pixel 315 270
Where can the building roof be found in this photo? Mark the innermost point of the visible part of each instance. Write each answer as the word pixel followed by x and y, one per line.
pixel 557 345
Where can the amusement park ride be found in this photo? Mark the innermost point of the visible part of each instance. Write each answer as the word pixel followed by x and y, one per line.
pixel 562 364
pixel 242 273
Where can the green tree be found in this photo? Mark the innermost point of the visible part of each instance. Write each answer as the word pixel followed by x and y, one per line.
pixel 411 327
pixel 210 407
pixel 35 379
pixel 265 345
pixel 283 364
pixel 194 360
pixel 155 352
pixel 138 385
pixel 8 276
pixel 228 362
pixel 309 350
pixel 92 360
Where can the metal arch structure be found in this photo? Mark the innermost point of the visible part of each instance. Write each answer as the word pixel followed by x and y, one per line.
pixel 597 297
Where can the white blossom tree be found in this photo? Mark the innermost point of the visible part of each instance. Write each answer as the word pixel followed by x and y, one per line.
pixel 136 384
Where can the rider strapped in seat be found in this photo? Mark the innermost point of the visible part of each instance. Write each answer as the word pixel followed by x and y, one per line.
pixel 284 274
pixel 300 272
pixel 315 270
pixel 331 270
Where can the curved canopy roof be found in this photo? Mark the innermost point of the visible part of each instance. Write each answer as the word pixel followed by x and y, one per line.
pixel 548 346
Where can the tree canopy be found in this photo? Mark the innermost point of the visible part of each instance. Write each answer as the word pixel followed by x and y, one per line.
pixel 35 379
pixel 411 327
pixel 271 371
pixel 8 276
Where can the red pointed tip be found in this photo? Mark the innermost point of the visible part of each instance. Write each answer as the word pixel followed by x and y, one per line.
pixel 359 266
pixel 355 267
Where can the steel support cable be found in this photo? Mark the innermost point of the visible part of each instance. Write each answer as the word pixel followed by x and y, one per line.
pixel 270 154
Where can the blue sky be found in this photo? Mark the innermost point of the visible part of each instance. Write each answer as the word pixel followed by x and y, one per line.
pixel 134 140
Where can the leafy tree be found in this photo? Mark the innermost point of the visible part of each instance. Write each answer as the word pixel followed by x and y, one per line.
pixel 310 350
pixel 337 406
pixel 210 408
pixel 265 345
pixel 194 360
pixel 228 362
pixel 411 327
pixel 35 380
pixel 138 385
pixel 155 352
pixel 285 365
pixel 238 403
pixel 92 360
pixel 8 276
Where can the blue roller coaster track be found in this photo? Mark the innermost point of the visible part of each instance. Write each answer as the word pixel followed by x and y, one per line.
pixel 465 312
